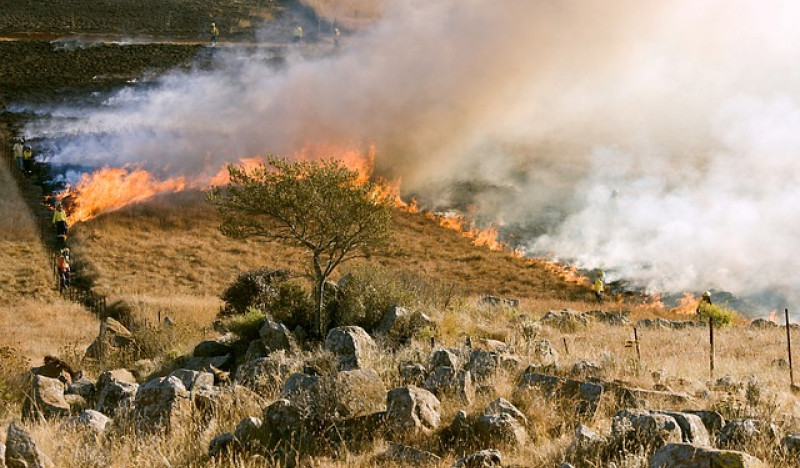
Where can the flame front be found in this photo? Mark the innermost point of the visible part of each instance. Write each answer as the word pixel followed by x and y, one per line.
pixel 109 189
pixel 687 305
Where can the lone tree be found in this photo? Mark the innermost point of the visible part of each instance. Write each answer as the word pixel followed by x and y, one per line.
pixel 321 206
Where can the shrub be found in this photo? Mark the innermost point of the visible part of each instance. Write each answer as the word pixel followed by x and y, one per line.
pixel 721 317
pixel 293 306
pixel 365 294
pixel 246 325
pixel 257 288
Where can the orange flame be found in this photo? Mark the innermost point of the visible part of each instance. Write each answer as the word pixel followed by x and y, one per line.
pixel 773 317
pixel 109 189
pixel 687 305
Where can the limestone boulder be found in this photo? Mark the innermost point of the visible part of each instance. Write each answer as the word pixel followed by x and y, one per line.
pixel 45 399
pixel 645 428
pixel 276 337
pixel 22 451
pixel 215 347
pixel 689 456
pixel 413 374
pixel 483 459
pixel 693 431
pixel 93 421
pixel 586 442
pixel 404 454
pixel 500 430
pixel 447 381
pixel 445 358
pixel 738 433
pixel 359 392
pixel 352 345
pixel 162 404
pixel 192 379
pixel 113 337
pixel 503 406
pixel 116 391
pixel 249 432
pixel 411 410
pixel 83 387
pixel 565 320
pixel 712 420
pixel 300 388
pixel 266 375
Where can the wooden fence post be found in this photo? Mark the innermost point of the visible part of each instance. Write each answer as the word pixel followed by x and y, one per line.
pixel 711 346
pixel 789 348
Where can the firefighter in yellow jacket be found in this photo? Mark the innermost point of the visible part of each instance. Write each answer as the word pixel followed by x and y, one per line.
pixel 214 31
pixel 599 286
pixel 60 222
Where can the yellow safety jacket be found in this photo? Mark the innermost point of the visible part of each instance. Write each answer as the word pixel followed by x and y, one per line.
pixel 598 285
pixel 214 31
pixel 298 32
pixel 18 150
pixel 27 154
pixel 59 215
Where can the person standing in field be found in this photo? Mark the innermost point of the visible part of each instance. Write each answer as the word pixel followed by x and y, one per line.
pixel 705 301
pixel 214 34
pixel 62 264
pixel 60 222
pixel 18 152
pixel 27 160
pixel 599 286
pixel 298 33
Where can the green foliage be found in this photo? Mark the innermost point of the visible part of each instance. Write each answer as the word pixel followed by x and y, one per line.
pixel 320 206
pixel 366 293
pixel 293 306
pixel 257 288
pixel 722 317
pixel 246 325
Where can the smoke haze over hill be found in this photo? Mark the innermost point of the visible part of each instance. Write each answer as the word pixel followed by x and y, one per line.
pixel 657 139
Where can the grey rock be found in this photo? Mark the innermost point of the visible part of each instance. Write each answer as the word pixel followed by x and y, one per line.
pixel 413 374
pixel 45 399
pixel 255 350
pixel 300 386
pixel 162 403
pixel 116 390
pixel 409 455
pixel 83 387
pixel 447 381
pixel 495 301
pixel 586 441
pixel 645 428
pixel 92 420
pixel 544 354
pixel 791 443
pixel 712 420
pixel 359 392
pixel 221 444
pixel 584 368
pixel 680 455
pixel 763 323
pixel 564 319
pixel 412 410
pixel 483 365
pixel 265 375
pixel 482 459
pixel 588 394
pixel 21 449
pixel 653 323
pixel 208 364
pixel 193 379
pixel 77 403
pixel 693 431
pixel 276 337
pixel 352 345
pixel 503 406
pixel 609 318
pixel 113 336
pixel 211 348
pixel 393 317
pixel 500 430
pixel 444 358
pixel 286 420
pixel 248 432
pixel 738 433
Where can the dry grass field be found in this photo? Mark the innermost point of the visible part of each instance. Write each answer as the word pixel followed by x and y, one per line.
pixel 34 319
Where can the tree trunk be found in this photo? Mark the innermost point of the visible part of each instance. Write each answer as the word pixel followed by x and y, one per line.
pixel 319 296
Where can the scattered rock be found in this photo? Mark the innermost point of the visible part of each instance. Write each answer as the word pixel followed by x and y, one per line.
pixel 55 369
pixel 21 449
pixel 209 364
pixel 413 374
pixel 444 358
pixel 351 344
pixel 409 455
pixel 565 320
pixel 653 323
pixel 712 420
pixel 544 354
pixel 358 393
pixel 588 393
pixel 248 432
pixel 645 428
pixel 113 336
pixel 411 409
pixel 609 318
pixel 791 444
pixel 586 368
pixel 482 459
pixel 193 379
pixel 503 406
pixel 265 375
pixel 162 403
pixel 300 387
pixel 739 432
pixel 276 337
pixel 483 365
pixel 92 420
pixel 495 301
pixel 116 390
pixel 221 444
pixel 76 403
pixel 500 430
pixel 693 430
pixel 688 456
pixel 83 387
pixel 446 381
pixel 287 423
pixel 45 399
pixel 586 441
pixel 763 323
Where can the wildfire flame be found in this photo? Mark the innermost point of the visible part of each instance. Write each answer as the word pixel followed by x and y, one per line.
pixel 687 305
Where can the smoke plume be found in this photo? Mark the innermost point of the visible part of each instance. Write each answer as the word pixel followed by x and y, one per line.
pixel 654 139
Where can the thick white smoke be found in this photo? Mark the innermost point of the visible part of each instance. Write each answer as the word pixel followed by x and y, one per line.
pixel 655 138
